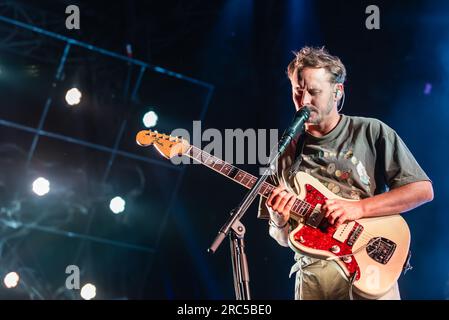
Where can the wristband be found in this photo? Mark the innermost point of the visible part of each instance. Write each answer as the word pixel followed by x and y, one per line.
pixel 272 223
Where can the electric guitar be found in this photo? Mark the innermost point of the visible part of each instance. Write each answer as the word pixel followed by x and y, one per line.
pixel 370 253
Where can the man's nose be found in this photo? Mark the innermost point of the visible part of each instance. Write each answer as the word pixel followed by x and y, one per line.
pixel 306 98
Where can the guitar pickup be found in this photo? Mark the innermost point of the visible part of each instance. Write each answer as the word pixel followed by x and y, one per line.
pixel 315 217
pixel 355 235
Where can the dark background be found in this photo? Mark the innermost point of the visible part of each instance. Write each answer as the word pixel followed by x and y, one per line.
pixel 239 50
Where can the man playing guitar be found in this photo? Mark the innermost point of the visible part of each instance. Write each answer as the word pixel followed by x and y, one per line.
pixel 338 192
pixel 361 160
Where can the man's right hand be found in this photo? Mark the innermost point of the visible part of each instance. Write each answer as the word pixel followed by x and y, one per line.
pixel 280 201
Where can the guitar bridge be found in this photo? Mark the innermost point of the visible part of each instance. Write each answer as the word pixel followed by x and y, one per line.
pixel 381 249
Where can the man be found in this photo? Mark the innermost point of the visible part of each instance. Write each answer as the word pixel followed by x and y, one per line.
pixel 356 158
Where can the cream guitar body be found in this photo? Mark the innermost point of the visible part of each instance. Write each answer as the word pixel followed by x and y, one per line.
pixel 372 250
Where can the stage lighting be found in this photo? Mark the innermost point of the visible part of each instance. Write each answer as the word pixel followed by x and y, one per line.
pixel 41 186
pixel 11 280
pixel 150 119
pixel 73 96
pixel 88 291
pixel 117 205
pixel 428 89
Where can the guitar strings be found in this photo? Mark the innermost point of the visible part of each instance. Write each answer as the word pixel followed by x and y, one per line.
pixel 303 205
pixel 364 235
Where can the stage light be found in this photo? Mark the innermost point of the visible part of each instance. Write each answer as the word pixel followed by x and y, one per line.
pixel 73 96
pixel 11 280
pixel 88 291
pixel 428 89
pixel 41 186
pixel 150 119
pixel 117 205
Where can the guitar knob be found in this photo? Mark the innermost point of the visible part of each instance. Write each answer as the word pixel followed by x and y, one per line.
pixel 335 249
pixel 347 259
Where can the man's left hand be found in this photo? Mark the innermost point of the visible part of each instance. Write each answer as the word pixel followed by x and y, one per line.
pixel 339 211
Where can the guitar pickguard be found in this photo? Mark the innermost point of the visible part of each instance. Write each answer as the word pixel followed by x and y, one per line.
pixel 318 234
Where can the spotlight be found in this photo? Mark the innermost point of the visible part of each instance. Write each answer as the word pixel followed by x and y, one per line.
pixel 73 96
pixel 41 186
pixel 88 291
pixel 428 89
pixel 11 280
pixel 150 119
pixel 117 205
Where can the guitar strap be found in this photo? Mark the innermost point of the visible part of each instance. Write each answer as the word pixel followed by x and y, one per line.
pixel 298 152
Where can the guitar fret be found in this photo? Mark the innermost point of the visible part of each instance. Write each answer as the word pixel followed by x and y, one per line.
pixel 253 181
pixel 226 168
pixel 210 161
pixel 248 184
pixel 295 206
pixel 196 154
pixel 263 189
pixel 299 207
pixel 233 172
pixel 217 163
pixel 200 157
pixel 268 189
pixel 304 208
pixel 203 158
pixel 189 149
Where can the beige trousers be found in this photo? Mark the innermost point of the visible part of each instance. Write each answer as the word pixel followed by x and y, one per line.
pixel 319 280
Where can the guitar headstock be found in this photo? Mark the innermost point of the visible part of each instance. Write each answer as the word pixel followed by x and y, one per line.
pixel 167 145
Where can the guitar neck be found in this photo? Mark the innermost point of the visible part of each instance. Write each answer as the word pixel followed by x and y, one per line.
pixel 299 208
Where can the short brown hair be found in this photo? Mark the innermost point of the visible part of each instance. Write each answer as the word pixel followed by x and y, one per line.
pixel 318 58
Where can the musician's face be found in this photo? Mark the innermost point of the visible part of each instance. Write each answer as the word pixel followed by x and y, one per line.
pixel 312 88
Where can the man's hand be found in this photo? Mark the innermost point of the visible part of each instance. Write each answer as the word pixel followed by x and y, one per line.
pixel 281 202
pixel 339 211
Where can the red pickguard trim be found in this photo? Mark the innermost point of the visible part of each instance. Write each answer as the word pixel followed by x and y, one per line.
pixel 319 240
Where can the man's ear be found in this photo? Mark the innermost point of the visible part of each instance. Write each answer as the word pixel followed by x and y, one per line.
pixel 339 90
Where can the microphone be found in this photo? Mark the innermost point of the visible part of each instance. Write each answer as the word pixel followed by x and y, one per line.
pixel 301 116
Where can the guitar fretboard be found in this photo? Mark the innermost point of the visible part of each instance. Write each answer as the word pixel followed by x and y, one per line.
pixel 299 208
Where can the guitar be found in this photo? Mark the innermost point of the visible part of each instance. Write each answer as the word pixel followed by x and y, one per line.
pixel 370 252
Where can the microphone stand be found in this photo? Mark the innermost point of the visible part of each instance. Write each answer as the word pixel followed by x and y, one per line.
pixel 236 229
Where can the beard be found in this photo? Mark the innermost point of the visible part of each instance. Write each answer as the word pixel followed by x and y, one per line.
pixel 317 115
